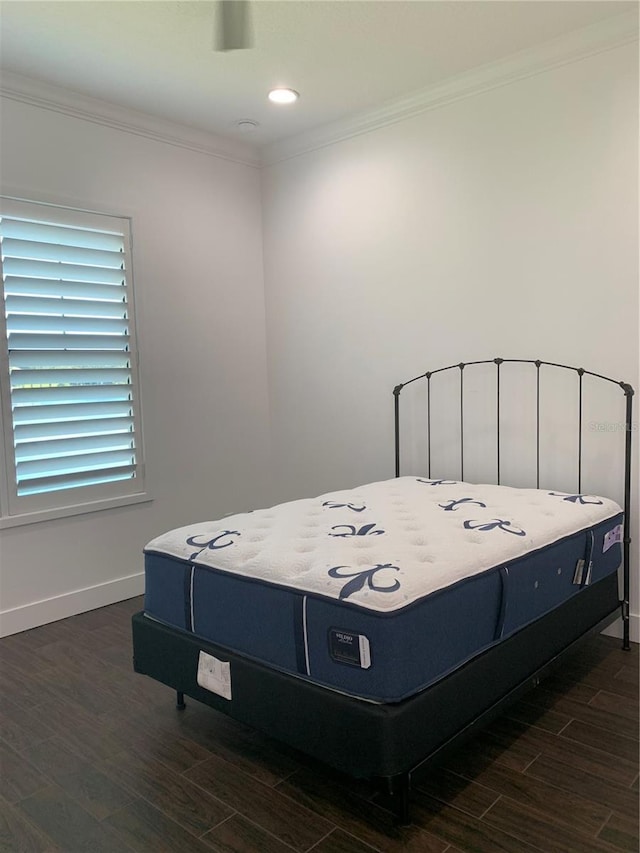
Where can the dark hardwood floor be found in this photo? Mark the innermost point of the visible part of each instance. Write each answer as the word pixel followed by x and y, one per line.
pixel 97 758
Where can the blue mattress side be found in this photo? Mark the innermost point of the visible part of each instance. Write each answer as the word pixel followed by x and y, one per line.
pixel 253 619
pixel 406 653
pixel 539 582
pixel 166 591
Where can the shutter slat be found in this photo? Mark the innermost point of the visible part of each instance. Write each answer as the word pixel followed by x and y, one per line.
pixel 68 272
pixel 68 307
pixel 23 341
pixel 113 292
pixel 90 426
pixel 24 229
pixel 65 359
pixel 88 325
pixel 23 415
pixel 25 397
pixel 73 465
pixel 37 485
pixel 73 376
pixel 30 250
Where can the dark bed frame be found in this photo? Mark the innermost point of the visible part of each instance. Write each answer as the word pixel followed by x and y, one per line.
pixel 393 742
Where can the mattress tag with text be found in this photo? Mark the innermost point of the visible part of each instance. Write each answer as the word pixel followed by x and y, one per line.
pixel 612 538
pixel 214 675
pixel 348 647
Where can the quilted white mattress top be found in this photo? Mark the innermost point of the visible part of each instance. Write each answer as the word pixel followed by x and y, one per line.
pixel 385 545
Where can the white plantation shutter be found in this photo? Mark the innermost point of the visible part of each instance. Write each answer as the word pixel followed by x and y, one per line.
pixel 69 369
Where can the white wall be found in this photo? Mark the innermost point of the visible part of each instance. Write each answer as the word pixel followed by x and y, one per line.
pixel 199 296
pixel 505 224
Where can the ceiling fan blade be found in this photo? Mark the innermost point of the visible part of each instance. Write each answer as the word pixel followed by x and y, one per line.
pixel 233 31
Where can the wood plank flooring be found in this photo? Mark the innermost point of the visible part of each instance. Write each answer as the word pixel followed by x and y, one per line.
pixel 96 758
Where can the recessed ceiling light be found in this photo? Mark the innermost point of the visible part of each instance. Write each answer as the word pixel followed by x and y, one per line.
pixel 283 96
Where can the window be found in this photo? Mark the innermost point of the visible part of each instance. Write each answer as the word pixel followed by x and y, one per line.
pixel 68 363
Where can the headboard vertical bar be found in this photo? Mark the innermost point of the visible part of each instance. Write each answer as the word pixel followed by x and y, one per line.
pixel 396 407
pixel 428 377
pixel 498 362
pixel 580 375
pixel 628 390
pixel 538 363
pixel 461 366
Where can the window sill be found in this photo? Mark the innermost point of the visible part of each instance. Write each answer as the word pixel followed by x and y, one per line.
pixel 75 509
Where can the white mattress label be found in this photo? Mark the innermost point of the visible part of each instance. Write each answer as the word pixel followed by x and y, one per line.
pixel 612 538
pixel 383 546
pixel 365 651
pixel 214 675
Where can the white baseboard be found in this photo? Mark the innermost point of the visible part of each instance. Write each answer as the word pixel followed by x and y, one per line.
pixel 615 629
pixel 60 606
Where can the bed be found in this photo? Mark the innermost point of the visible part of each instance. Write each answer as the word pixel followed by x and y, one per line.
pixel 376 628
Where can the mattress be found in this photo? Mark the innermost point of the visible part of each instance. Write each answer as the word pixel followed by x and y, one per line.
pixel 379 591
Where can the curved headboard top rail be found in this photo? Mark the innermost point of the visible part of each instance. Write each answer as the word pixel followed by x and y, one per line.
pixel 626 388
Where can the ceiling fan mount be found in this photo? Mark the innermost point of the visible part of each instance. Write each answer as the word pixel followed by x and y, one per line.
pixel 233 25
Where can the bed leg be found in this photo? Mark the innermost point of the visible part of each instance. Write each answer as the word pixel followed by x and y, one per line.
pixel 180 703
pixel 399 787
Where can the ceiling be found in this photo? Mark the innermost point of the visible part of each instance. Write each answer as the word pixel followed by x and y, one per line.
pixel 343 56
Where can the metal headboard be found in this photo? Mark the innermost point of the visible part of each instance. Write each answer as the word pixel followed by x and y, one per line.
pixel 581 373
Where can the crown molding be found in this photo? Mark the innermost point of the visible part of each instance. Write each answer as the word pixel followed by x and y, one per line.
pixel 603 36
pixel 27 90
